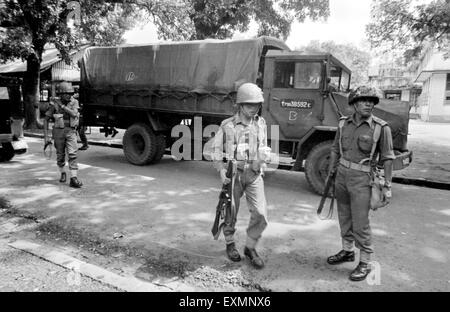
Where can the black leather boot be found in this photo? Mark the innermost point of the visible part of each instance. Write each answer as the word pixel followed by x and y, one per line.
pixel 233 253
pixel 63 178
pixel 254 258
pixel 74 182
pixel 360 272
pixel 342 256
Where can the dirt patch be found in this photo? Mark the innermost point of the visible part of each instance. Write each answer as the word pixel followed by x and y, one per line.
pixel 4 203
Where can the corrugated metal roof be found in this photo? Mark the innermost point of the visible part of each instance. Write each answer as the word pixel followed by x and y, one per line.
pixel 49 57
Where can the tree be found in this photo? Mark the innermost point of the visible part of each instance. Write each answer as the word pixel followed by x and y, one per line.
pixel 398 24
pixel 28 26
pixel 356 59
pixel 221 18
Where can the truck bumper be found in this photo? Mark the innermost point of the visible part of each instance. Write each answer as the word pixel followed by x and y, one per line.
pixel 402 160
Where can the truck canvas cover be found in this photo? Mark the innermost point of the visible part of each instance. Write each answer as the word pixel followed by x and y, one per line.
pixel 208 66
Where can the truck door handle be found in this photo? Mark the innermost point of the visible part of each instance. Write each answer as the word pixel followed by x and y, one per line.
pixel 276 99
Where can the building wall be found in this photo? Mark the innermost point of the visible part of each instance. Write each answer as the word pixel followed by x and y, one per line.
pixel 405 95
pixel 432 100
pixel 433 106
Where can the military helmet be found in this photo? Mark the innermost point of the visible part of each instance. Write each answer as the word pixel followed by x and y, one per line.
pixel 365 93
pixel 65 87
pixel 249 93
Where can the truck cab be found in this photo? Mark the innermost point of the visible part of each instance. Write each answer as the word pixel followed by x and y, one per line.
pixel 10 123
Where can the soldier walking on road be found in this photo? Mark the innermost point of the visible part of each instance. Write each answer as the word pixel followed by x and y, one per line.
pixel 351 153
pixel 63 111
pixel 243 137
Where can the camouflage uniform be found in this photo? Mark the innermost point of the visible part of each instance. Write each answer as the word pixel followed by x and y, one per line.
pixel 242 142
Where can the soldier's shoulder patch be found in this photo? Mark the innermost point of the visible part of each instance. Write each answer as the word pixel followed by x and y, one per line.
pixel 227 122
pixel 379 121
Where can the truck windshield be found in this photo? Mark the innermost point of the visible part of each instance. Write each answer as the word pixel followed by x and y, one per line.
pixel 298 75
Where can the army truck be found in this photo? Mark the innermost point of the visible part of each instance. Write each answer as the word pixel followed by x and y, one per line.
pixel 149 89
pixel 10 118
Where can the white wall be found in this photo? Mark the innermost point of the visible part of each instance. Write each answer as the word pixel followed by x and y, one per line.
pixel 432 99
pixel 405 95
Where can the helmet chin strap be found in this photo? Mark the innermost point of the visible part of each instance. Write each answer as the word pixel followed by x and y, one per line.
pixel 247 114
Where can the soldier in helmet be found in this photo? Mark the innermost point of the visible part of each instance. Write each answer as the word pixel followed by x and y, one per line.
pixel 350 156
pixel 243 138
pixel 63 112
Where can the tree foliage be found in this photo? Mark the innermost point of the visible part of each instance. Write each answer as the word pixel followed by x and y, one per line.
pixel 26 27
pixel 399 24
pixel 354 58
pixel 220 19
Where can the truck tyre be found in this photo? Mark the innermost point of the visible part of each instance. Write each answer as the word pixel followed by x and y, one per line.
pixel 140 144
pixel 161 148
pixel 316 166
pixel 6 152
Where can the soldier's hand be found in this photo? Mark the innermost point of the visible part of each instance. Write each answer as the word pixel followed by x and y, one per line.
pixel 387 194
pixel 223 177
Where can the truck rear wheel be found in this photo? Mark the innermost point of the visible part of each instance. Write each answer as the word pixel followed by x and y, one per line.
pixel 140 144
pixel 6 152
pixel 317 164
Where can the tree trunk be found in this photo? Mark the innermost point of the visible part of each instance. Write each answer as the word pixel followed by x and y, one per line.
pixel 31 90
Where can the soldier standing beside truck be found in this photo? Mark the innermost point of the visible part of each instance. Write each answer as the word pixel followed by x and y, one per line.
pixel 351 153
pixel 63 112
pixel 244 136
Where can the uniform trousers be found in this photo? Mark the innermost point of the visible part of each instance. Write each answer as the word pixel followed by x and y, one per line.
pixel 353 191
pixel 66 139
pixel 250 183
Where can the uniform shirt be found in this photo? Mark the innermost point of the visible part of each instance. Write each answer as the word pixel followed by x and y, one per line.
pixel 53 110
pixel 240 141
pixel 357 140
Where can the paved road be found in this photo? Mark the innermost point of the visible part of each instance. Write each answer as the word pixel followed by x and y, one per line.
pixel 157 219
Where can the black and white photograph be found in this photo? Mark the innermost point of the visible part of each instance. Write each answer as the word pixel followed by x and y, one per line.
pixel 208 148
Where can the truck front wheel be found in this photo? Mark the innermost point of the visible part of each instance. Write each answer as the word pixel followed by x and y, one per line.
pixel 6 152
pixel 316 166
pixel 140 144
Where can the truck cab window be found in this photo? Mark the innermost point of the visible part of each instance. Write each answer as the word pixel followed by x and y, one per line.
pixel 308 75
pixel 284 74
pixel 345 81
pixel 335 78
pixel 4 93
pixel 298 75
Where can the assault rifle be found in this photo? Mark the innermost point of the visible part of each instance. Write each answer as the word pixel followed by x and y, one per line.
pixel 328 192
pixel 224 209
